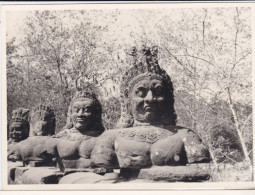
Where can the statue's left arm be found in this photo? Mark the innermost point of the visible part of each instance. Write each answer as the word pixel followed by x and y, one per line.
pixel 196 150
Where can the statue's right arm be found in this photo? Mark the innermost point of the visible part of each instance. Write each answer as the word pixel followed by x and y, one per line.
pixel 103 153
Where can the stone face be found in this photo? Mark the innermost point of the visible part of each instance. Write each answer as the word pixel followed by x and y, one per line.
pixel 193 173
pixel 19 126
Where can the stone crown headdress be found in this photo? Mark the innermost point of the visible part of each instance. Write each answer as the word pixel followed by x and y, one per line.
pixel 144 63
pixel 44 107
pixel 20 115
pixel 84 94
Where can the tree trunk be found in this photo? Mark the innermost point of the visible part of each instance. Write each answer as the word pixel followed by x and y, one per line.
pixel 238 129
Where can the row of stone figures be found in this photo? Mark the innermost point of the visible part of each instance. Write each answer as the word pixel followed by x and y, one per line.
pixel 147 145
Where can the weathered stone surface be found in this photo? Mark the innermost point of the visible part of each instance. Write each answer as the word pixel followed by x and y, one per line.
pixel 71 147
pixel 11 171
pixel 42 121
pixel 148 135
pixel 42 163
pixel 41 175
pixel 189 173
pixel 19 126
pixel 134 152
pixel 32 150
pixel 18 174
pixel 82 178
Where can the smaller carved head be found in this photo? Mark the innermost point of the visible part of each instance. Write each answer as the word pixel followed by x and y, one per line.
pixel 85 112
pixel 19 126
pixel 42 121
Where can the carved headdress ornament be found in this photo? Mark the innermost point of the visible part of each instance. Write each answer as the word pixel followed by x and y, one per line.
pixel 20 115
pixel 43 112
pixel 144 63
pixel 19 119
pixel 43 107
pixel 89 93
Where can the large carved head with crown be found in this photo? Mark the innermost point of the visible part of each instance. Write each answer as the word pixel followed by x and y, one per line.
pixel 19 125
pixel 147 91
pixel 42 121
pixel 84 113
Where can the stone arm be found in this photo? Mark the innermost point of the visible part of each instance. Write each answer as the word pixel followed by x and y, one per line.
pixel 52 150
pixel 51 146
pixel 195 150
pixel 13 153
pixel 103 154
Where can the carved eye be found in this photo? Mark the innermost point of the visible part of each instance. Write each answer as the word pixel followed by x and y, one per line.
pixel 46 118
pixel 75 109
pixel 87 109
pixel 158 90
pixel 141 92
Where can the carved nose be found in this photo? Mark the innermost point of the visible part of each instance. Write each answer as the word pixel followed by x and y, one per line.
pixel 80 112
pixel 149 96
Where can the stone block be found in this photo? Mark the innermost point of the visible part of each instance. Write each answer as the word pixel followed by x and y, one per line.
pixel 41 175
pixel 189 173
pixel 88 177
pixel 11 171
pixel 41 163
pixel 19 171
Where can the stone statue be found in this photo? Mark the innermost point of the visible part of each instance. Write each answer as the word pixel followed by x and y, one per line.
pixel 148 135
pixel 42 125
pixel 42 121
pixel 72 146
pixel 19 126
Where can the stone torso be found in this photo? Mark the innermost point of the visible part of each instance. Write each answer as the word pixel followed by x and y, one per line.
pixel 140 147
pixel 74 149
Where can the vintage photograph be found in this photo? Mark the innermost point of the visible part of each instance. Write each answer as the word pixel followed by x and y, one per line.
pixel 128 94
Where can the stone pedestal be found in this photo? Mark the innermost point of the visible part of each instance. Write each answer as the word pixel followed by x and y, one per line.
pixel 41 175
pixel 189 173
pixel 32 175
pixel 89 177
pixel 17 174
pixel 12 170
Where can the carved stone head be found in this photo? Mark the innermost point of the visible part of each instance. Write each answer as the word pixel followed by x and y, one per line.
pixel 147 91
pixel 84 113
pixel 42 121
pixel 19 126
